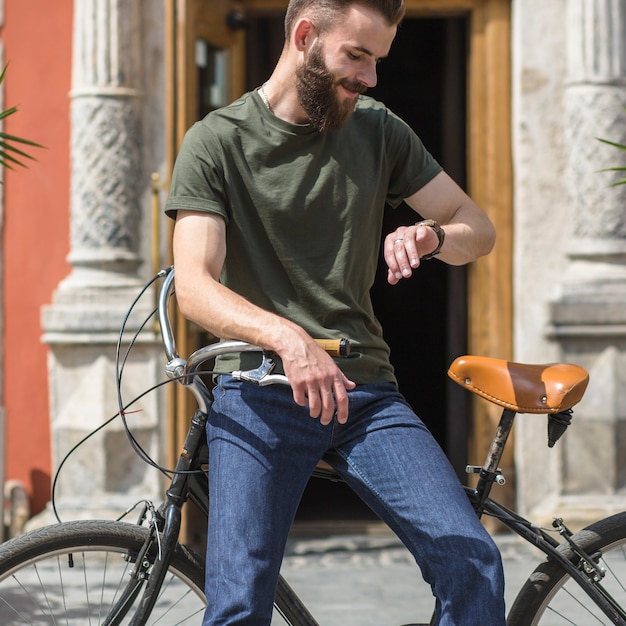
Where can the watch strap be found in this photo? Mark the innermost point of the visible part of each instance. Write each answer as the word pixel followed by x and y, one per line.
pixel 441 236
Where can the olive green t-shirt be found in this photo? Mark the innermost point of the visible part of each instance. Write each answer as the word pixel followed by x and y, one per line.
pixel 304 214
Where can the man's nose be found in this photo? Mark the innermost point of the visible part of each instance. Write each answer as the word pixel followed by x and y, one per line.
pixel 369 75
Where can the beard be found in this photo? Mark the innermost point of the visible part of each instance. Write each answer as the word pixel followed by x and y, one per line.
pixel 317 93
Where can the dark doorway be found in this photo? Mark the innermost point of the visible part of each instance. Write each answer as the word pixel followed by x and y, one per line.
pixel 425 318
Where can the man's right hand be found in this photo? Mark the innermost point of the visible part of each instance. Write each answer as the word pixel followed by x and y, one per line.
pixel 316 380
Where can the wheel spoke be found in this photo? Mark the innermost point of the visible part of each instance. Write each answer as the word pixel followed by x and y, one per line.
pixel 39 586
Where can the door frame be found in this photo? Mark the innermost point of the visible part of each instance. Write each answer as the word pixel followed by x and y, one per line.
pixel 489 164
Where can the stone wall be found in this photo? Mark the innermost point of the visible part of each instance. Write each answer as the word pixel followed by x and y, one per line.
pixel 569 89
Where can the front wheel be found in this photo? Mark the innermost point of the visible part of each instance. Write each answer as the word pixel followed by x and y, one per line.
pixel 73 573
pixel 550 597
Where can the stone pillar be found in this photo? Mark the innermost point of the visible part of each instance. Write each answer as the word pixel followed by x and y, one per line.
pixel 82 323
pixel 588 319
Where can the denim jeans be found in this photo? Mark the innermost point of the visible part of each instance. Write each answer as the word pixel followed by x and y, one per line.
pixel 263 448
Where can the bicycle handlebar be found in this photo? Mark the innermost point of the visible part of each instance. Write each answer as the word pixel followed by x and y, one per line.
pixel 167 335
pixel 185 369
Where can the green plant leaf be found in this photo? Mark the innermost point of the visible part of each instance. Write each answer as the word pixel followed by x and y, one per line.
pixel 5 138
pixel 7 150
pixel 619 146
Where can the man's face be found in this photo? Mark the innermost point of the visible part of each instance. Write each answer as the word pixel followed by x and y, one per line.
pixel 317 92
pixel 340 66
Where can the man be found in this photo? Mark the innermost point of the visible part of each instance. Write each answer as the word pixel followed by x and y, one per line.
pixel 278 200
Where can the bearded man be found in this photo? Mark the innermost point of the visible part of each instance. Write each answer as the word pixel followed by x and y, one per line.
pixel 279 200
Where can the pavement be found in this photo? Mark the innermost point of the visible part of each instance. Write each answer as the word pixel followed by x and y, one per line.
pixel 358 579
pixel 363 580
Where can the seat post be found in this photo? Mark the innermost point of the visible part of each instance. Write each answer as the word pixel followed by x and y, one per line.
pixel 490 473
pixel 499 441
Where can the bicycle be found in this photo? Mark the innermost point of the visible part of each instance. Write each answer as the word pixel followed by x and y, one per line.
pixel 117 572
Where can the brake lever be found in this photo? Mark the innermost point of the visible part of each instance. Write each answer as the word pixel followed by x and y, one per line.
pixel 262 375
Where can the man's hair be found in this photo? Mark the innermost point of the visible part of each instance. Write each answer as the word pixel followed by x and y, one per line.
pixel 326 12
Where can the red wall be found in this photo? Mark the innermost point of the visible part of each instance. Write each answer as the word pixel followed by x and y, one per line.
pixel 37 38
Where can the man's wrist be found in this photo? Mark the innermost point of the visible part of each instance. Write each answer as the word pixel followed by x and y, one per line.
pixel 441 236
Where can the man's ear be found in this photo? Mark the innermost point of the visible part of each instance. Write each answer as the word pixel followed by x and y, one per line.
pixel 303 33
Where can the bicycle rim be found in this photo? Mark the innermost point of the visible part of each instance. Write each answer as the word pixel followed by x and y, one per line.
pixel 41 584
pixel 551 598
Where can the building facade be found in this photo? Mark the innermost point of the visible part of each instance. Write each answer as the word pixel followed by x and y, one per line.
pixel 511 96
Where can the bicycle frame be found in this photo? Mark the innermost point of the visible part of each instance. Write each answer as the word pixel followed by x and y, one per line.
pixel 189 481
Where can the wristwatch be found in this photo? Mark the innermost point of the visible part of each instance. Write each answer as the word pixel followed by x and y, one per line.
pixel 441 235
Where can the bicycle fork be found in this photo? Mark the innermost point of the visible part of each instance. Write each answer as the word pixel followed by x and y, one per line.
pixel 147 570
pixel 153 560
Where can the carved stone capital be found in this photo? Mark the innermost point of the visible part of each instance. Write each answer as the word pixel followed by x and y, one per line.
pixel 596 42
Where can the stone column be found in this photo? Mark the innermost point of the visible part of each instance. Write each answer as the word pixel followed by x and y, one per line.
pixel 588 319
pixel 82 324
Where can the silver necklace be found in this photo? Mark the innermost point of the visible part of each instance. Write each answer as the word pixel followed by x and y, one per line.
pixel 265 98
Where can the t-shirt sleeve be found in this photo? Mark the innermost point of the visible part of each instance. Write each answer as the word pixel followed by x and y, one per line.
pixel 411 165
pixel 197 178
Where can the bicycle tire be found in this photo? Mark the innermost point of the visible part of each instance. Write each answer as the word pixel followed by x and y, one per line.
pixel 550 597
pixel 38 585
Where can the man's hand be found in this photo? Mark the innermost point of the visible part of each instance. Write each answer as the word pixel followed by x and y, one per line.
pixel 403 248
pixel 317 381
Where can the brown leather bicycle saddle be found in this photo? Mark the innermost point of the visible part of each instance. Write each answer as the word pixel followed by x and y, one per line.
pixel 521 387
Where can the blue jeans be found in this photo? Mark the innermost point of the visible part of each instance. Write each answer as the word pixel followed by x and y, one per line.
pixel 263 448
